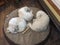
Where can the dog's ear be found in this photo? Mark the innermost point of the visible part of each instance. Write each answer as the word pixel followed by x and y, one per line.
pixel 20 14
pixel 39 13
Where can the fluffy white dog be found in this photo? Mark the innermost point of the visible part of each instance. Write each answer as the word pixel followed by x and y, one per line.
pixel 41 22
pixel 12 25
pixel 25 13
pixel 16 25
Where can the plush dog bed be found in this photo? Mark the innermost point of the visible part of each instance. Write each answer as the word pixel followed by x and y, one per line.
pixel 28 37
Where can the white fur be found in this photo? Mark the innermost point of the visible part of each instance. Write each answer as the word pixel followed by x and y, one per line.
pixel 25 13
pixel 12 25
pixel 16 25
pixel 41 22
pixel 22 25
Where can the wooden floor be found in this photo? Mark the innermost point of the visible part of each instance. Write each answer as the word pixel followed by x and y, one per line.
pixel 54 37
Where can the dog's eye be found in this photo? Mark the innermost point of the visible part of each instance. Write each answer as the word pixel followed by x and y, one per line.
pixel 27 10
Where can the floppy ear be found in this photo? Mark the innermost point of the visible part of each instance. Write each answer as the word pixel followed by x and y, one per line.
pixel 20 14
pixel 39 13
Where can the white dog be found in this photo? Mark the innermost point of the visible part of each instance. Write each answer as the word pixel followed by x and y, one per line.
pixel 41 22
pixel 25 13
pixel 12 25
pixel 16 25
